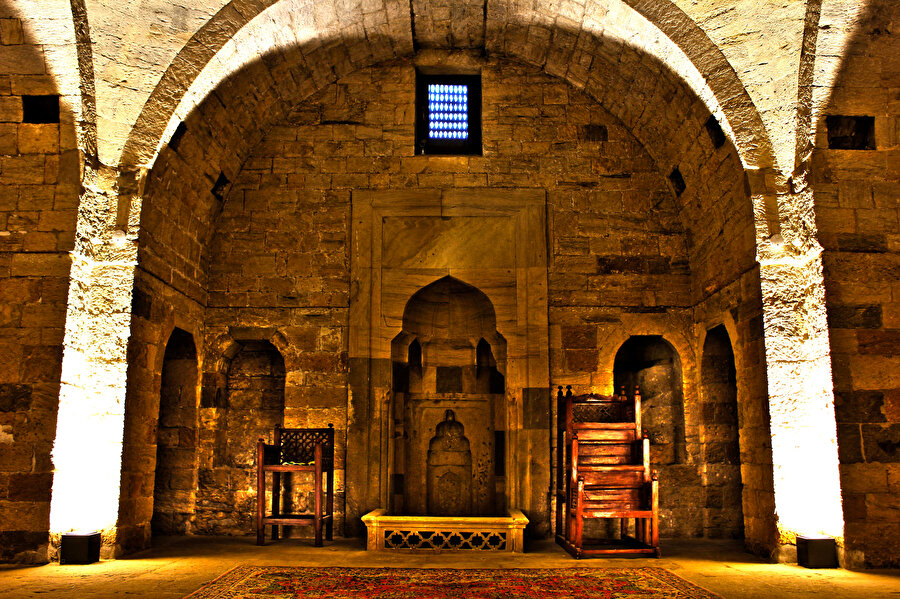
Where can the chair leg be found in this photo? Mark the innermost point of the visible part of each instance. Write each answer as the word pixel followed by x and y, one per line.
pixel 329 506
pixel 318 492
pixel 579 517
pixel 276 500
pixel 260 495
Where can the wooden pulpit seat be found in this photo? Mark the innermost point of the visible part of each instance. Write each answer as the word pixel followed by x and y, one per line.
pixel 603 471
pixel 296 450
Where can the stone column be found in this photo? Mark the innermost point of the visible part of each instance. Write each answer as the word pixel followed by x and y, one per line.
pixel 798 369
pixel 87 453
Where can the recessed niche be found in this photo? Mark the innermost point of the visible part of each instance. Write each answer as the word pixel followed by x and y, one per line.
pixel 180 130
pixel 850 132
pixel 40 109
pixel 719 437
pixel 252 404
pixel 448 421
pixel 177 433
pixel 677 181
pixel 714 130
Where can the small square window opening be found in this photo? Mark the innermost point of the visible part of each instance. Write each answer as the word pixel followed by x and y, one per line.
pixel 448 111
pixel 40 109
pixel 850 132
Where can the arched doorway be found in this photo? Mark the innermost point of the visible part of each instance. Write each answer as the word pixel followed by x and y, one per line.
pixel 175 483
pixel 652 364
pixel 719 447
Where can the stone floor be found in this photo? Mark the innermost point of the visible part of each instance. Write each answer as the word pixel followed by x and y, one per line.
pixel 176 567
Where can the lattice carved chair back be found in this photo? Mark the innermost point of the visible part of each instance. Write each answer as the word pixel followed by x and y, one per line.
pixel 593 407
pixel 298 445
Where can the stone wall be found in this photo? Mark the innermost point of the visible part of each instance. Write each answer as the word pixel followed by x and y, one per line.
pixel 39 185
pixel 856 197
pixel 280 247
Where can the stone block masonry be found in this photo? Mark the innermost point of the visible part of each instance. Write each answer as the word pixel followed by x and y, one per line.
pixel 38 198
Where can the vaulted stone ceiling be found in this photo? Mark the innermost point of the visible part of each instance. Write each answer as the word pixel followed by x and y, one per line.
pixel 272 64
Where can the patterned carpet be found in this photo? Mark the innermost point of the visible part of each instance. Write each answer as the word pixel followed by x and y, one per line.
pixel 252 582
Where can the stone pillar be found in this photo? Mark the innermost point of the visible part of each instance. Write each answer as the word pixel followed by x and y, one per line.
pixel 87 453
pixel 798 369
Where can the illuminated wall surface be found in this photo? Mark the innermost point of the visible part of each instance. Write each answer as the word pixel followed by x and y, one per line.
pixel 199 173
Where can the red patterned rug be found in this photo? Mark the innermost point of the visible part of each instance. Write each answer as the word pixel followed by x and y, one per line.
pixel 252 582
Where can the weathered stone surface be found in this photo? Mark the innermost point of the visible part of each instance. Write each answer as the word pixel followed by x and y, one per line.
pixel 881 443
pixel 854 317
pixel 885 343
pixel 14 397
pixel 859 406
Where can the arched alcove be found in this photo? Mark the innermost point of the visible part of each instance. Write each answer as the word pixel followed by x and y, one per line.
pixel 251 407
pixel 719 444
pixel 488 377
pixel 448 359
pixel 652 364
pixel 175 483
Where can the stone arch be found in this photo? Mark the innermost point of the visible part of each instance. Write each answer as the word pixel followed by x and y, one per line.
pixel 345 53
pixel 616 338
pixel 200 51
pixel 192 170
pixel 449 307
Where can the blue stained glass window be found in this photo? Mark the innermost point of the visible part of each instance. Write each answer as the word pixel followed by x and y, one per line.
pixel 448 111
pixel 448 114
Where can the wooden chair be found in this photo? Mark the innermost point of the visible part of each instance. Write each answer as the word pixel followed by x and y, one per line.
pixel 603 471
pixel 296 450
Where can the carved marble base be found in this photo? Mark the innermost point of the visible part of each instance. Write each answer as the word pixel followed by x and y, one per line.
pixel 445 533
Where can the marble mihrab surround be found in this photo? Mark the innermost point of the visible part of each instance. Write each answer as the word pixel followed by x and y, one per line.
pixel 402 242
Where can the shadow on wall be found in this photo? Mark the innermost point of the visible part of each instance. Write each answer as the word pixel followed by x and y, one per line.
pixel 39 187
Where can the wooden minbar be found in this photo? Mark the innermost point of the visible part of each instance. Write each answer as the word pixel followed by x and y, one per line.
pixel 296 450
pixel 603 471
